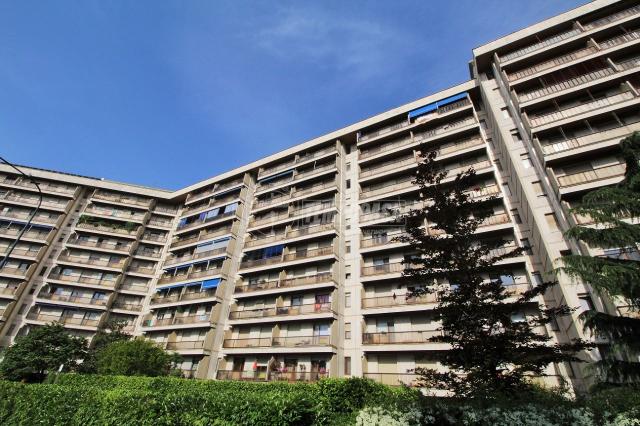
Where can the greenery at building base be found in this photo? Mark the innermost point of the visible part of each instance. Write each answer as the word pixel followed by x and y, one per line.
pixel 615 212
pixel 111 332
pixel 74 399
pixel 136 357
pixel 45 349
pixel 495 346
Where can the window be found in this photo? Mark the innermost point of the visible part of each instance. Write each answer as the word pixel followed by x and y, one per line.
pixel 506 189
pixel 505 112
pixel 586 304
pixel 552 221
pixel 515 136
pixel 516 216
pixel 348 183
pixel 347 300
pixel 347 365
pixel 518 317
pixel 347 331
pixel 524 243
pixel 525 160
pixel 538 189
pixel 537 278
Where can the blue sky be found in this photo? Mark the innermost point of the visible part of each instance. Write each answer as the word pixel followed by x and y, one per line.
pixel 167 93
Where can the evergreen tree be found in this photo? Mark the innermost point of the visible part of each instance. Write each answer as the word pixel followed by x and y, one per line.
pixel 491 351
pixel 615 212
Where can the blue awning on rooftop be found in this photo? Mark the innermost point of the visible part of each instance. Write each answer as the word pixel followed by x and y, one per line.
pixel 276 176
pixel 435 105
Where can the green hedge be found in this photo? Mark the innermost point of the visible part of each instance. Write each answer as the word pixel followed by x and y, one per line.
pixel 110 400
pixel 70 399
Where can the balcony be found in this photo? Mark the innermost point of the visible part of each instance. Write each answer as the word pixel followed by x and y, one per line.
pixel 399 337
pixel 284 283
pixel 92 262
pixel 197 223
pixel 178 320
pixel 219 201
pixel 575 55
pixel 274 376
pixel 309 230
pixel 19 273
pixel 192 197
pixel 175 260
pixel 31 234
pixel 170 210
pixel 296 177
pixel 394 185
pixel 288 257
pixel 397 300
pixel 155 223
pixel 142 269
pixel 154 237
pixel 191 275
pixel 606 137
pixel 305 309
pixel 540 120
pixel 159 299
pixel 383 269
pixel 381 240
pixel 202 236
pixel 121 199
pixel 296 161
pixel 410 161
pixel 98 227
pixel 22 215
pixel 70 298
pixel 184 345
pixel 66 320
pixel 540 45
pixel 418 138
pixel 136 287
pixel 612 172
pixel 127 306
pixel 118 214
pixel 44 186
pixel 8 291
pixel 109 284
pixel 108 245
pixel 406 124
pixel 24 252
pixel 148 253
pixel 273 342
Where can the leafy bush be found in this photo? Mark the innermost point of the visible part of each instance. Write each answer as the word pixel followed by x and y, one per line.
pixel 137 357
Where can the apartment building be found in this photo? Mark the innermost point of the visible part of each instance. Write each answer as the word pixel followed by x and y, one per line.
pixel 287 268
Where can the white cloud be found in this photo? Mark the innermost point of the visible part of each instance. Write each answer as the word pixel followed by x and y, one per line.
pixel 332 41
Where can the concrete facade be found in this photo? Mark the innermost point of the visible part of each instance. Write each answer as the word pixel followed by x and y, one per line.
pixel 285 269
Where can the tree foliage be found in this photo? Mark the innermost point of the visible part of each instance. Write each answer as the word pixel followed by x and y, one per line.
pixel 490 351
pixel 614 213
pixel 45 349
pixel 137 357
pixel 112 331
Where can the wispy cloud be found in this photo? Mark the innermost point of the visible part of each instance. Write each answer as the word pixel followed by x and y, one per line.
pixel 332 41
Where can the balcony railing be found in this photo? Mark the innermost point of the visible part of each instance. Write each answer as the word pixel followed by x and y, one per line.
pixel 174 260
pixel 33 201
pixel 25 252
pixel 142 269
pixel 180 297
pixel 121 199
pixel 380 240
pixel 306 254
pixel 184 344
pixel 540 45
pixel 594 175
pixel 31 234
pixel 148 253
pixel 566 84
pixel 224 215
pixel 310 230
pixel 618 16
pixel 8 291
pixel 127 306
pixel 139 287
pixel 178 320
pixel 110 229
pixel 385 268
pixel 95 262
pixel 555 147
pixel 393 337
pixel 202 236
pixel 286 342
pixel 190 275
pixel 298 160
pixel 36 316
pixel 26 183
pixel 82 280
pixel 111 245
pixel 579 109
pixel 390 165
pixel 160 223
pixel 437 131
pixel 87 300
pixel 311 308
pixel 120 214
pixel 154 237
pixel 284 283
pixel 397 300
